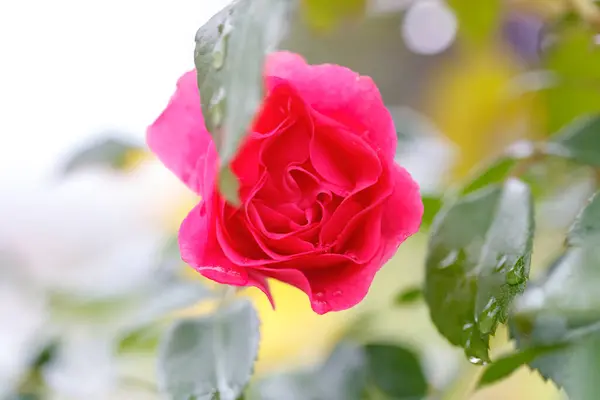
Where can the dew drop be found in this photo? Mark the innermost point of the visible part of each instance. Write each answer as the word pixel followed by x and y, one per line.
pixel 216 115
pixel 501 263
pixel 219 53
pixel 217 107
pixel 321 306
pixel 475 360
pixel 449 259
pixel 319 295
pixel 487 320
pixel 218 59
pixel 337 293
pixel 516 275
pixel 220 49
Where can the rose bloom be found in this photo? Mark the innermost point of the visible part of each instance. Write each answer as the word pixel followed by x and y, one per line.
pixel 323 204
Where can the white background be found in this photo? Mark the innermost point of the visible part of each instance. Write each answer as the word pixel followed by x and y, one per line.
pixel 72 68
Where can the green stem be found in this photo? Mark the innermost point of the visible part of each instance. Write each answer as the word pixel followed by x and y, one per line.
pixel 227 294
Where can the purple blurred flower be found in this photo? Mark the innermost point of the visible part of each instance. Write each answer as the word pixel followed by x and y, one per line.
pixel 522 32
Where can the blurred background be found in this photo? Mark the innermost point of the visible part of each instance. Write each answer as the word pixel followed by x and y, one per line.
pixel 88 216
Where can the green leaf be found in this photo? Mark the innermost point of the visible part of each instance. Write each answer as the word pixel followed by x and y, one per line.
pixel 505 366
pixel 564 308
pixel 409 296
pixel 143 340
pixel 341 377
pixel 229 57
pixel 395 371
pixel 111 153
pixel 350 373
pixel 432 205
pixel 495 172
pixel 574 59
pixel 500 168
pixel 212 355
pixel 478 260
pixel 478 20
pixel 579 141
pixel 585 367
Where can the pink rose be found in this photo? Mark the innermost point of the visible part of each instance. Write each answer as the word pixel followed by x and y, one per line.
pixel 324 206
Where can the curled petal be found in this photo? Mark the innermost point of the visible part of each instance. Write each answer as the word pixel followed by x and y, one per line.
pixel 340 94
pixel 180 140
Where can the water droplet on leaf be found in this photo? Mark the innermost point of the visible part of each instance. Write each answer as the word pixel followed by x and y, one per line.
pixel 501 262
pixel 476 361
pixel 473 345
pixel 449 259
pixel 218 59
pixel 217 107
pixel 516 275
pixel 487 320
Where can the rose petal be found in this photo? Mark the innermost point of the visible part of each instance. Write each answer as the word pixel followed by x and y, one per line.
pixel 180 140
pixel 332 288
pixel 272 119
pixel 270 222
pixel 236 239
pixel 362 238
pixel 402 212
pixel 354 208
pixel 260 282
pixel 278 246
pixel 339 93
pixel 341 158
pixel 288 148
pixel 200 250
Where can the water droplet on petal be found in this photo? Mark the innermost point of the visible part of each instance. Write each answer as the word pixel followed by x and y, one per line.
pixel 337 293
pixel 319 295
pixel 321 306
